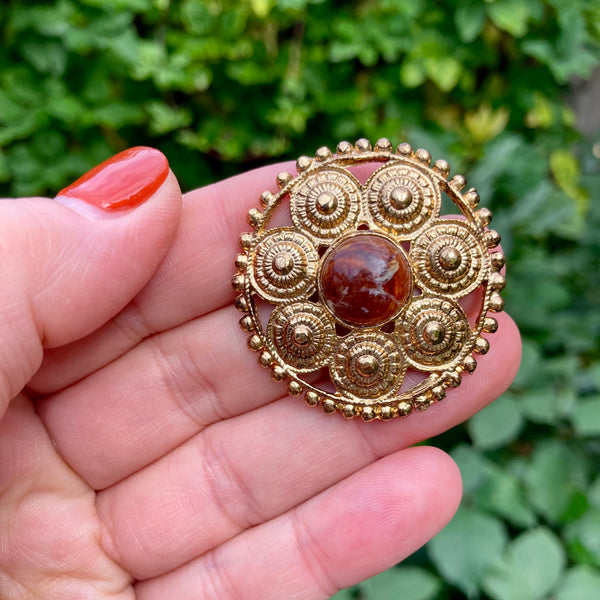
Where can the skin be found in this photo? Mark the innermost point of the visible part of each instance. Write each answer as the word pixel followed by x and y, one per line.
pixel 146 455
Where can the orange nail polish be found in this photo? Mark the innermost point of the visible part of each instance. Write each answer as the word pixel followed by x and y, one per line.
pixel 123 181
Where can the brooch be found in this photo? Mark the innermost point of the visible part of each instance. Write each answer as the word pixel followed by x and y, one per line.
pixel 353 288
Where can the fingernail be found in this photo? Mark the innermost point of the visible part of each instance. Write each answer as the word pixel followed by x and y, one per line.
pixel 124 181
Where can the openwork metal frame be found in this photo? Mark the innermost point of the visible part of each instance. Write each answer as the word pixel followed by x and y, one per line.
pixel 450 257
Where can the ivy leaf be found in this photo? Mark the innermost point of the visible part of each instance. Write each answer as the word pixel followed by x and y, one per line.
pixel 497 424
pixel 583 538
pixel 466 547
pixel 529 570
pixel 554 476
pixel 586 417
pixel 580 583
pixel 547 405
pixel 503 494
pixel 408 583
pixel 474 467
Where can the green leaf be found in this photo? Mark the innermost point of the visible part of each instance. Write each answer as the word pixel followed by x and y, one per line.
pixel 511 15
pixel 529 369
pixel 529 570
pixel 46 56
pixel 586 417
pixel 503 494
pixel 444 71
pixel 408 583
pixel 593 493
pixel 583 538
pixel 546 404
pixel 412 73
pixel 466 547
pixel 497 424
pixel 554 476
pixel 469 19
pixel 580 583
pixel 474 467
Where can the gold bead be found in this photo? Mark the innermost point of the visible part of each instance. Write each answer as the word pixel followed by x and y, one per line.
pixel 442 167
pixel 344 148
pixel 481 345
pixel 303 163
pixel 241 260
pixel 404 149
pixel 255 343
pixel 246 240
pixel 283 179
pixel 363 145
pixel 423 156
pixel 368 413
pixel 452 378
pixel 254 217
pixel 497 260
pixel 497 281
pixel 323 153
pixel 492 238
pixel 238 282
pixel 472 197
pixel 423 402
pixel 278 373
pixel 490 325
pixel 265 359
pixel 458 182
pixel 328 405
pixel 404 409
pixel 496 302
pixel 311 398
pixel 266 198
pixel 383 145
pixel 247 324
pixel 470 364
pixel 295 388
pixel 241 303
pixel 387 412
pixel 349 411
pixel 438 393
pixel 484 216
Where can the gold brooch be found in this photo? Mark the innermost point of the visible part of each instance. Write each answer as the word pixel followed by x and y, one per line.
pixel 347 286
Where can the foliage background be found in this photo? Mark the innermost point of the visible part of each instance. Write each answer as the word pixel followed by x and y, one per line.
pixel 222 85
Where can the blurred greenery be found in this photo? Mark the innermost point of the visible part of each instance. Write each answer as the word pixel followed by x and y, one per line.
pixel 224 85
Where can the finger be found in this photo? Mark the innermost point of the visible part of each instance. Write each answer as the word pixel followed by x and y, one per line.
pixel 70 264
pixel 361 526
pixel 300 452
pixel 193 280
pixel 49 531
pixel 162 393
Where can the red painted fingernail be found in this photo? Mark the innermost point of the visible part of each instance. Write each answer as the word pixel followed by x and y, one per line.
pixel 124 181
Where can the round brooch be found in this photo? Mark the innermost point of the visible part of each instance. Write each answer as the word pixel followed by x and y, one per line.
pixel 354 289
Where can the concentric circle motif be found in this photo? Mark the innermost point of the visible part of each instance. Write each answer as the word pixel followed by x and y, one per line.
pixel 302 334
pixel 326 204
pixel 449 259
pixel 402 200
pixel 285 266
pixel 367 364
pixel 433 332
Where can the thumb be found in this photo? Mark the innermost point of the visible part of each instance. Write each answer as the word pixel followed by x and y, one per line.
pixel 70 264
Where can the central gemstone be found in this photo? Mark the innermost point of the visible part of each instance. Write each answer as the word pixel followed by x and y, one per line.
pixel 366 280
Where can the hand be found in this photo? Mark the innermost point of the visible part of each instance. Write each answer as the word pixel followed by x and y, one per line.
pixel 144 454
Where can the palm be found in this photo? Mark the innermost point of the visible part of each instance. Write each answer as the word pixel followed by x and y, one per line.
pixel 159 461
